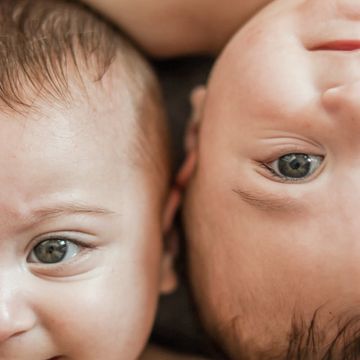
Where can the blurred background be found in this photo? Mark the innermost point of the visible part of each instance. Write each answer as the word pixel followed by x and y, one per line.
pixel 177 326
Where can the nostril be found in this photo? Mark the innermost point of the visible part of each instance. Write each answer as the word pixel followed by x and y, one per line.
pixel 330 99
pixel 8 333
pixel 343 107
pixel 15 321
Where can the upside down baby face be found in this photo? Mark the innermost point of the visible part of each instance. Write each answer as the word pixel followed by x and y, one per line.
pixel 271 213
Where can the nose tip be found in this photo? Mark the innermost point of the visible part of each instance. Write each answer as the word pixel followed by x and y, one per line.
pixel 344 98
pixel 342 104
pixel 15 318
pixel 349 8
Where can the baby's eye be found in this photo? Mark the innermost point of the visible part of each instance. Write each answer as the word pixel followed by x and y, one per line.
pixel 53 251
pixel 295 166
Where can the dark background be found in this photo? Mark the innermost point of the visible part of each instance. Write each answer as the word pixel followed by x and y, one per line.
pixel 177 326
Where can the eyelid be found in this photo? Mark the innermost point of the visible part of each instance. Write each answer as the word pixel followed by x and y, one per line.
pixel 70 235
pixel 273 152
pixel 291 139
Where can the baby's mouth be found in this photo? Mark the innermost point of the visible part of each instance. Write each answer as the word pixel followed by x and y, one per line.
pixel 339 45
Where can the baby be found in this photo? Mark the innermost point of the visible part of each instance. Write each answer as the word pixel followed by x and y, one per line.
pixel 84 200
pixel 271 211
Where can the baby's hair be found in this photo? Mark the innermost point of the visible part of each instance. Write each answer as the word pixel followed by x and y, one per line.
pixel 48 45
pixel 313 341
pixel 337 338
pixel 327 335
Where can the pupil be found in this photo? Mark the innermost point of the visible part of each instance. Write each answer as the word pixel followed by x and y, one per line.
pixel 51 251
pixel 295 166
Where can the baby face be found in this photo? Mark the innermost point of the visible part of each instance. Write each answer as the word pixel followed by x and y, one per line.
pixel 271 213
pixel 80 236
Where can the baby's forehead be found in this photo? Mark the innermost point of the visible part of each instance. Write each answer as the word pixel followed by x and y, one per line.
pixel 71 60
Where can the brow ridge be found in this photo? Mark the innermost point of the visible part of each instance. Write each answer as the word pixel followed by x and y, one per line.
pixel 50 212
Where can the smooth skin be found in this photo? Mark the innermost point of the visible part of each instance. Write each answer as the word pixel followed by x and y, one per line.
pixel 167 28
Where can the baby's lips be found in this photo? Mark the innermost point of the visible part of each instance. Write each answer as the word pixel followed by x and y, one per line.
pixel 339 45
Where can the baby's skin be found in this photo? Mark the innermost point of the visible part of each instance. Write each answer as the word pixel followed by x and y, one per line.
pixel 85 205
pixel 179 27
pixel 272 209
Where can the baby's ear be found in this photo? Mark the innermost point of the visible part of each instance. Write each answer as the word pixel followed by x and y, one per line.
pixel 169 279
pixel 186 170
pixel 168 273
pixel 192 136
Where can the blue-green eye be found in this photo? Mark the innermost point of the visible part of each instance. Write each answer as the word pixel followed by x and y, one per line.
pixel 295 166
pixel 53 251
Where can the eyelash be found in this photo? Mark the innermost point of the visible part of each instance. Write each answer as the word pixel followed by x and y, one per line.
pixel 275 176
pixel 83 247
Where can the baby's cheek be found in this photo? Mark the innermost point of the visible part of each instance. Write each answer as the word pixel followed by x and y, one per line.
pixel 103 317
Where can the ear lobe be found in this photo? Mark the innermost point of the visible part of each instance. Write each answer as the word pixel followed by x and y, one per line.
pixel 171 207
pixel 169 278
pixel 168 282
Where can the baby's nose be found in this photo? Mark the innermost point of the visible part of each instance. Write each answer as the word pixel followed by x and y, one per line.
pixel 350 9
pixel 344 102
pixel 16 316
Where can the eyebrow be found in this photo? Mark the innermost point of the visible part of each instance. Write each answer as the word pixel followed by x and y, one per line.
pixel 268 202
pixel 42 214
